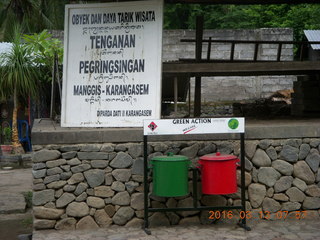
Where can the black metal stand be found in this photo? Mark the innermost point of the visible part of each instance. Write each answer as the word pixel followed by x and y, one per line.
pixel 195 207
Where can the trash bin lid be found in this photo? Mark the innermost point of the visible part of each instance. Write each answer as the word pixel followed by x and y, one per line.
pixel 170 157
pixel 218 157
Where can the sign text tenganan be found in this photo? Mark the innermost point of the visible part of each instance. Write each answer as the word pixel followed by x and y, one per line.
pixel 112 64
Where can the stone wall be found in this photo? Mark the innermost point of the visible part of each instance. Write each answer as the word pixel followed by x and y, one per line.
pixel 97 185
pixel 216 89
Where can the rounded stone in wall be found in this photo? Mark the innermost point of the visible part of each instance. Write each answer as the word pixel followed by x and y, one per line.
pixel 191 151
pixel 65 199
pixel 261 159
pixel 122 160
pixel 69 155
pixel 103 191
pixel 283 184
pixel 135 150
pixel 56 163
pixel 43 197
pixel 313 160
pixel 265 143
pixel 173 218
pixel 94 177
pixel 77 209
pixel 256 193
pixel 47 213
pixel 188 202
pixel 39 174
pixel 313 191
pixel 137 201
pixel 290 206
pixel 283 167
pixel 45 155
pixel 110 210
pixel 65 175
pixel 122 175
pixel 131 186
pixel 295 195
pixel 86 222
pixel 272 153
pixel 57 184
pixel 208 148
pixel 81 187
pixel 311 203
pixel 270 192
pixel 118 186
pixel 121 198
pixel 304 151
pixel 80 168
pixel 53 171
pixel 102 218
pixel 159 219
pixel 315 143
pixel 76 178
pixel 95 202
pixel 66 224
pixel 268 176
pixel 39 224
pixel 270 205
pixel 69 188
pixel 302 170
pixel 74 162
pixel 250 148
pixel 82 197
pixel 290 153
pixel 99 163
pixel 293 142
pixel 123 215
pixel 247 178
pixel 297 182
pixel 280 197
pixel 108 179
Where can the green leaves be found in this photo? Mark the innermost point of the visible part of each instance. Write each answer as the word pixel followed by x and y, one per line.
pixel 44 47
pixel 18 71
pixel 298 17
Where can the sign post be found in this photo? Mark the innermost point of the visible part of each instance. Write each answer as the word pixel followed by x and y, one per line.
pixel 112 64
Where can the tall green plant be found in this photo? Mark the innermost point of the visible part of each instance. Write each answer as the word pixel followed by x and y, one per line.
pixel 18 79
pixel 44 47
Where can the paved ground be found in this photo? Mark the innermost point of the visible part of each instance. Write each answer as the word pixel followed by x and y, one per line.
pixel 275 230
pixel 13 184
pixel 14 219
pixel 18 181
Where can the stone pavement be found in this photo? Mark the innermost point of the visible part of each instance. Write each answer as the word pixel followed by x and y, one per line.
pixel 13 183
pixel 262 229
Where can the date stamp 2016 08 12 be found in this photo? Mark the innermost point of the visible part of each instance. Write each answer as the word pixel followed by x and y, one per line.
pixel 215 215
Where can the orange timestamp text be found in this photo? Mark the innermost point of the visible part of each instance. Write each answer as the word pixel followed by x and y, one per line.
pixel 215 215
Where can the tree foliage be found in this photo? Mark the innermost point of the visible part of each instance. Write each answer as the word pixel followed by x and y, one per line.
pixel 19 77
pixel 298 17
pixel 32 15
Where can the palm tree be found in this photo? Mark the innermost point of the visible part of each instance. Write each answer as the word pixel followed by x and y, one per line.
pixel 18 79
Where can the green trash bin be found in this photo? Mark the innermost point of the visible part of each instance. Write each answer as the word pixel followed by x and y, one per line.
pixel 170 175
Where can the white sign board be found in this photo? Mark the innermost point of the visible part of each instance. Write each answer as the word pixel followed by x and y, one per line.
pixel 112 64
pixel 193 126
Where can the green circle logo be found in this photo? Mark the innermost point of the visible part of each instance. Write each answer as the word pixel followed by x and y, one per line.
pixel 233 123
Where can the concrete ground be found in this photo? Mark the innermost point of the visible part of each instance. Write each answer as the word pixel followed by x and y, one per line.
pixel 261 230
pixel 15 218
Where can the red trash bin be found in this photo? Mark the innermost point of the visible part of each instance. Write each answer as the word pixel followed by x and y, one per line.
pixel 218 173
